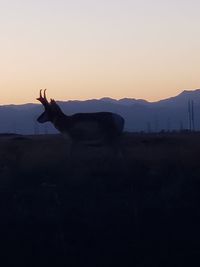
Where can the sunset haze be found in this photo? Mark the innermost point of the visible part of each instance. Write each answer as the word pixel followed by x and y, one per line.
pixel 85 49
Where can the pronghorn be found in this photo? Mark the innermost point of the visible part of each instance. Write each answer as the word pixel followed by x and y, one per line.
pixel 98 126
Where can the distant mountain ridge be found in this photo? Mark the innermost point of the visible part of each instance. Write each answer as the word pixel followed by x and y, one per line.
pixel 139 114
pixel 124 101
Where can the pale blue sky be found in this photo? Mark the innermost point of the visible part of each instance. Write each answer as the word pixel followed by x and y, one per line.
pixel 89 49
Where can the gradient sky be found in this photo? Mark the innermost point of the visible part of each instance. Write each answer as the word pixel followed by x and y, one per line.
pixel 82 49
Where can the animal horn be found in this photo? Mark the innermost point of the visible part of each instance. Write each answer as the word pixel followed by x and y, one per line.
pixel 42 99
pixel 45 98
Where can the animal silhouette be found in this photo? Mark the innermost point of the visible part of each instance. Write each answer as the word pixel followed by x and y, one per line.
pixel 104 126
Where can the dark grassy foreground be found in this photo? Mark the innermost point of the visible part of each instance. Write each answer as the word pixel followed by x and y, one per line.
pixel 98 208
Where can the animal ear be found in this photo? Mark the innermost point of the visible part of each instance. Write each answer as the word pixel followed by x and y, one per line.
pixel 54 105
pixel 43 117
pixel 53 102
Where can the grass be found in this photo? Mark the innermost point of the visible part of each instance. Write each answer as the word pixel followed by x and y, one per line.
pixel 97 207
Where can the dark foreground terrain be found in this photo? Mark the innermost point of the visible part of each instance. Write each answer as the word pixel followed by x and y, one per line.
pixel 99 207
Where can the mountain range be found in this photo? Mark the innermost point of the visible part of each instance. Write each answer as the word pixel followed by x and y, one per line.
pixel 140 115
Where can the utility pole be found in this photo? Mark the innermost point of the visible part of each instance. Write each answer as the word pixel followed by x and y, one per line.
pixel 190 115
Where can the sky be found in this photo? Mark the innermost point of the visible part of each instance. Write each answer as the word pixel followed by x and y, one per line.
pixel 84 49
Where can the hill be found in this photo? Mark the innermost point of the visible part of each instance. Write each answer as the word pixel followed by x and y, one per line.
pixel 140 115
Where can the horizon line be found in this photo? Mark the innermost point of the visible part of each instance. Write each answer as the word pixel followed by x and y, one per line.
pixel 104 97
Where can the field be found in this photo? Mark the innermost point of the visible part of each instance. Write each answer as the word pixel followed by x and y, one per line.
pixel 137 205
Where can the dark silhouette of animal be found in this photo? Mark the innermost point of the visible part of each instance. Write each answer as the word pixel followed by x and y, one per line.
pixel 98 126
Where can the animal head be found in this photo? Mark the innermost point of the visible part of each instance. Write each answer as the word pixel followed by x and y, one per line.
pixel 51 109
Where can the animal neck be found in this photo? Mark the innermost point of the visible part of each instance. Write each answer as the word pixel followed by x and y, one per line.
pixel 60 122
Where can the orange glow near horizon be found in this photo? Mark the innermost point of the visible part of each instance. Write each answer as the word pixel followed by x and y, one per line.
pixel 118 49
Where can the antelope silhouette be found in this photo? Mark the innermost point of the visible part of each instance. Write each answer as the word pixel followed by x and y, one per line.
pixel 104 126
